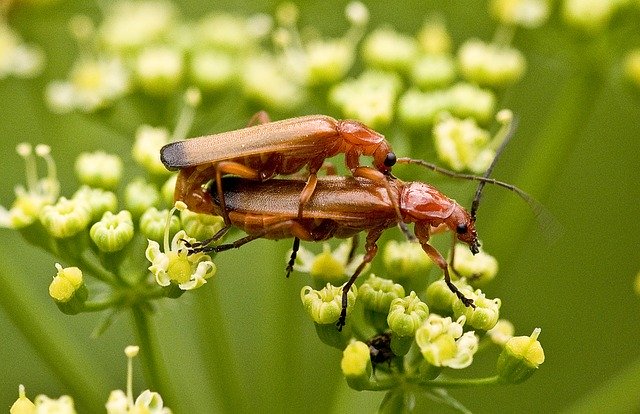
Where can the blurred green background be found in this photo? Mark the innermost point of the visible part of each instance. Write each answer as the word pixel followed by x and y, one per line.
pixel 577 150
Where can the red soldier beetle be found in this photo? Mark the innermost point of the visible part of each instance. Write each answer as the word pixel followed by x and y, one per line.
pixel 261 151
pixel 340 207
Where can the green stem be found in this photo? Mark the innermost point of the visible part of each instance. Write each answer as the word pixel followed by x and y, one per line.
pixel 155 371
pixel 461 382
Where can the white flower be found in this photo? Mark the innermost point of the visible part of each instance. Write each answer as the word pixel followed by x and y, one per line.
pixel 17 58
pixel 46 405
pixel 146 148
pixel 328 265
pixel 175 265
pixel 93 84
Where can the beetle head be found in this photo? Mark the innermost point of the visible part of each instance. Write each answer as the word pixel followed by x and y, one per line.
pixel 461 222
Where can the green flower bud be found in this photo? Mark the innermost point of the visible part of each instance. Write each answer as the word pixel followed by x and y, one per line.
pixel 168 188
pixel 153 222
pixel 328 61
pixel 419 110
pixel 525 13
pixel 520 358
pixel 200 226
pixel 433 71
pixel 441 299
pixel 632 66
pixel 434 38
pixel 502 332
pixel 592 16
pixel 478 269
pixel 99 169
pixel 369 98
pixel 63 405
pixel 490 65
pixel 356 365
pixel 65 218
pixel 325 305
pixel 467 100
pixel 264 81
pixel 405 260
pixel 98 200
pixel 128 26
pixel 139 196
pixel 407 314
pixel 389 50
pixel 376 293
pixel 329 266
pixel 22 405
pixel 159 69
pixel 462 144
pixel 211 70
pixel 146 148
pixel 68 290
pixel 113 232
pixel 484 315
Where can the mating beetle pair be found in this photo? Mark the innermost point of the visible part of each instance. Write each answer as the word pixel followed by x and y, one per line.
pixel 371 200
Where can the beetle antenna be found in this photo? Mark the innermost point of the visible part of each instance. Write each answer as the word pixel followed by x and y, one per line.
pixel 512 125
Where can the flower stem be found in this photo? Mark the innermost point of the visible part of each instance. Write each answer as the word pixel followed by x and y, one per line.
pixel 155 372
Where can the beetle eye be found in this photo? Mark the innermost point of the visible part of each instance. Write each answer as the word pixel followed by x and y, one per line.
pixel 461 229
pixel 390 159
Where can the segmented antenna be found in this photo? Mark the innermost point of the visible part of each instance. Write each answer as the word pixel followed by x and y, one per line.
pixel 484 179
pixel 513 124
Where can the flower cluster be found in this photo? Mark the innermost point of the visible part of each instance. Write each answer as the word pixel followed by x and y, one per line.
pixel 393 338
pixel 119 402
pixel 101 234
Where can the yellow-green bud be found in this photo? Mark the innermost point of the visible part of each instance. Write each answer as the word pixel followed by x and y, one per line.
pixel 405 260
pixel 407 314
pixel 356 365
pixel 632 66
pixel 434 38
pixel 525 13
pixel 62 405
pixel 468 100
pixel 168 188
pixel 433 71
pixel 99 169
pixel 377 293
pixel 369 98
pixel 462 144
pixel 389 50
pixel 520 358
pixel 139 196
pixel 325 305
pixel 328 61
pixel 98 200
pixel 502 332
pixel 146 148
pixel 264 81
pixel 478 269
pixel 65 218
pixel 441 299
pixel 153 222
pixel 592 15
pixel 211 70
pixel 22 405
pixel 200 226
pixel 419 109
pixel 68 290
pixel 489 64
pixel 484 315
pixel 159 69
pixel 113 232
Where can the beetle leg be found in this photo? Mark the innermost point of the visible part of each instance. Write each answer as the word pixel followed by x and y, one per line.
pixel 307 192
pixel 355 241
pixel 294 228
pixel 294 253
pixel 442 264
pixel 377 176
pixel 371 248
pixel 199 246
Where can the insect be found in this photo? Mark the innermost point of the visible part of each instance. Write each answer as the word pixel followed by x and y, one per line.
pixel 260 152
pixel 340 207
